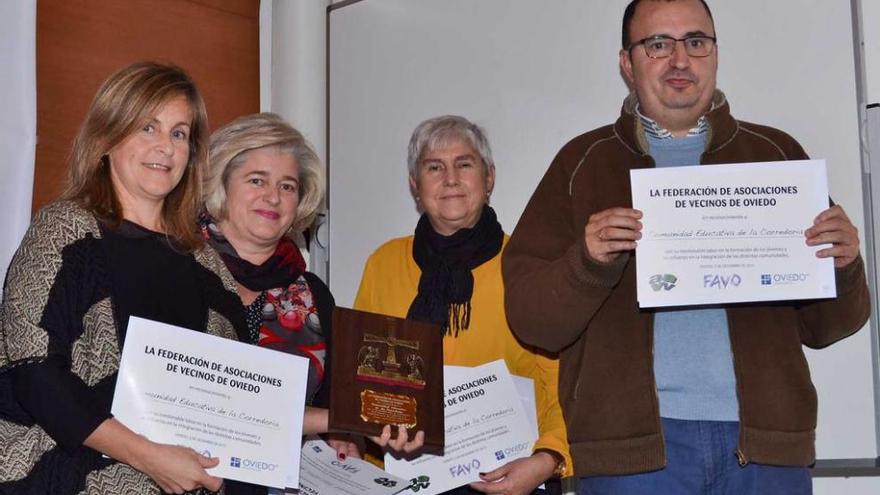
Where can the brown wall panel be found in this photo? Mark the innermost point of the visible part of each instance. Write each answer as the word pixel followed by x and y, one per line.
pixel 81 42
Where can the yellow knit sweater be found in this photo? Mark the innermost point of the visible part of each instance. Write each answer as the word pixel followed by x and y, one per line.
pixel 389 285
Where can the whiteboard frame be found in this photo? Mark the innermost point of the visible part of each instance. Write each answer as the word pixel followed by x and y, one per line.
pixel 869 139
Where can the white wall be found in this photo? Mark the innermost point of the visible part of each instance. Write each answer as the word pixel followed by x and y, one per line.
pixel 293 82
pixel 296 65
pixel 537 73
pixel 518 68
pixel 871 31
pixel 18 122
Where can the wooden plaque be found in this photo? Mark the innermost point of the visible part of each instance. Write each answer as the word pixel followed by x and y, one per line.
pixel 386 370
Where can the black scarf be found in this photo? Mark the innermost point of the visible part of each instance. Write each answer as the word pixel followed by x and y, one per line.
pixel 446 285
pixel 281 269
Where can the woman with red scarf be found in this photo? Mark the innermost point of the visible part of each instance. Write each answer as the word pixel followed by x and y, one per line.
pixel 264 184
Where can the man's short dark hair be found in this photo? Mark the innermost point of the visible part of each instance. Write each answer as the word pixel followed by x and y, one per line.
pixel 631 11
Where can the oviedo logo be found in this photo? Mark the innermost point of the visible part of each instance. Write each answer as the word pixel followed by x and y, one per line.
pixel 251 464
pixel 516 449
pixel 419 483
pixel 783 278
pixel 665 281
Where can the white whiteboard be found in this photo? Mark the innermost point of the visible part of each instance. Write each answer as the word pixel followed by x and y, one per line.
pixel 535 74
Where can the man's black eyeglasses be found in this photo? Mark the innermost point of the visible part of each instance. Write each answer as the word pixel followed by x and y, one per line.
pixel 664 46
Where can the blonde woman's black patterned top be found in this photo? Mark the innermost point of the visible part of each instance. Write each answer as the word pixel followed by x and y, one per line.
pixel 69 291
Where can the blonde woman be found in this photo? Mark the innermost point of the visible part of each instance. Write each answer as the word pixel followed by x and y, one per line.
pixel 119 244
pixel 264 185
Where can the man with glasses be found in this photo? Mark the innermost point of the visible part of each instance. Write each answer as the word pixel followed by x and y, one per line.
pixel 684 401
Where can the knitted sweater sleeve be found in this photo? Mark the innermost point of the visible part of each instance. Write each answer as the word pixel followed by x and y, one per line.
pixel 46 297
pixel 58 401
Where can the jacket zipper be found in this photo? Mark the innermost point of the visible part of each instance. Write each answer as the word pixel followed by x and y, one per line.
pixel 741 458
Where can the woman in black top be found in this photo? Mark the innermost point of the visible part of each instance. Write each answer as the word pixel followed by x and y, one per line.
pixel 120 243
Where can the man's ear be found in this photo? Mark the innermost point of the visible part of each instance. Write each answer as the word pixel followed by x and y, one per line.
pixel 626 67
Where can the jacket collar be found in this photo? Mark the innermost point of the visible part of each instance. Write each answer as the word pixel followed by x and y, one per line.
pixel 722 126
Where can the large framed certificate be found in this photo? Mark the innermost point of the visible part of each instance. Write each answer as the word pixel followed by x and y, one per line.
pixel 226 399
pixel 716 234
pixel 386 370
pixel 487 426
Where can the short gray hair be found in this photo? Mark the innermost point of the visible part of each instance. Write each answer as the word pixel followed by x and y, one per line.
pixel 229 146
pixel 441 131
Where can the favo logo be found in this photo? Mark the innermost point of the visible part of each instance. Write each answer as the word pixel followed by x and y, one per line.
pixel 721 282
pixel 465 468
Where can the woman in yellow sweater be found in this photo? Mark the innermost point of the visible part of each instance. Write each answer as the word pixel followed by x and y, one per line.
pixel 449 273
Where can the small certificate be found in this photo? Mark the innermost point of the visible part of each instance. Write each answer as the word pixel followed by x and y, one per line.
pixel 486 427
pixel 730 233
pixel 226 399
pixel 321 473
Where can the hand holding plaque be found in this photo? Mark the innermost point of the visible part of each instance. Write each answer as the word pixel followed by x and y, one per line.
pixel 386 370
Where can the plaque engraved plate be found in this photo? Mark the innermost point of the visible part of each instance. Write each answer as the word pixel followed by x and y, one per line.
pixel 388 409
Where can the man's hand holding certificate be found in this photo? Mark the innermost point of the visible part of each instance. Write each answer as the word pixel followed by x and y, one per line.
pixel 731 233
